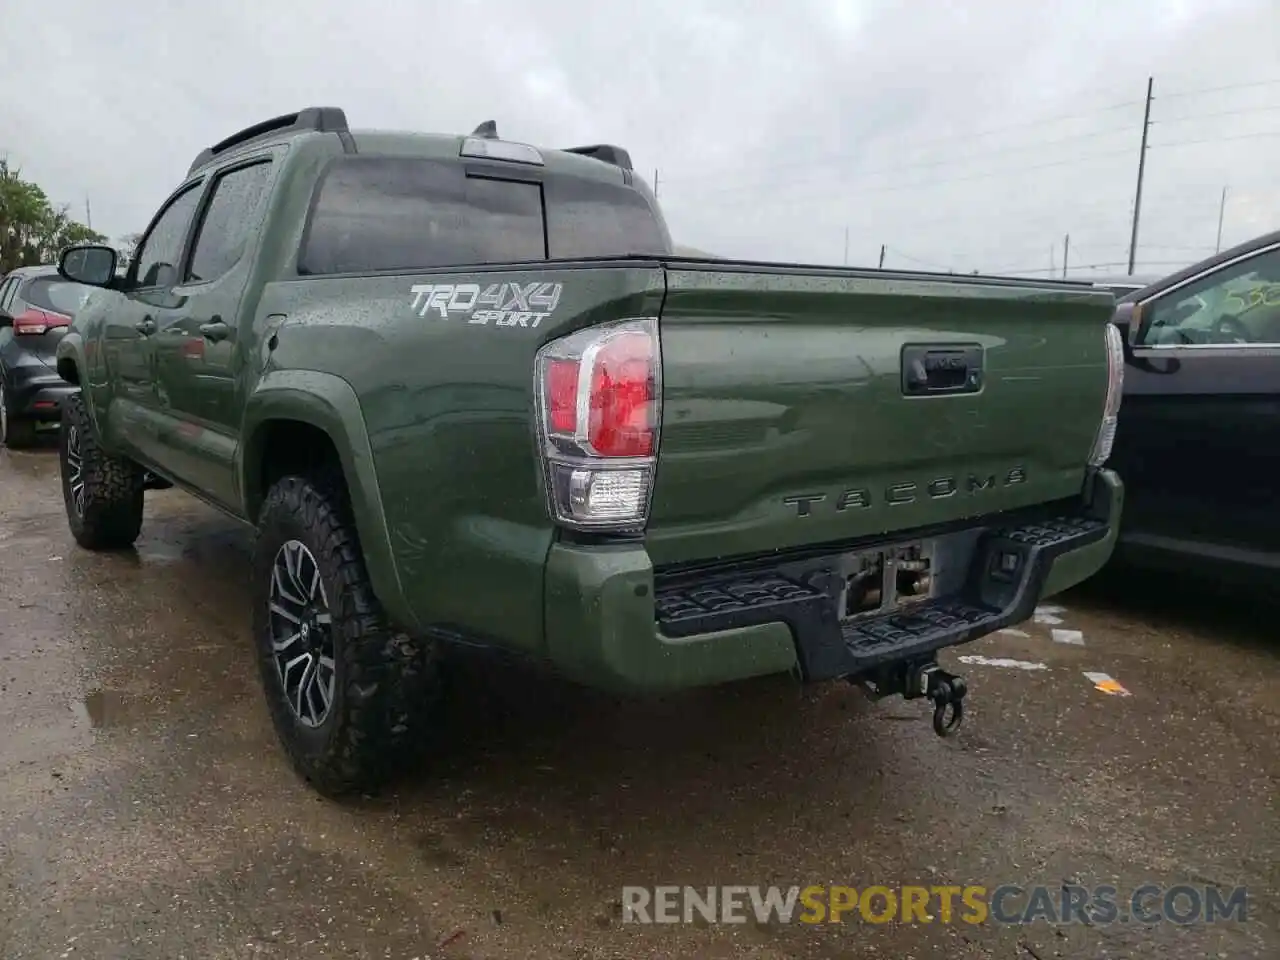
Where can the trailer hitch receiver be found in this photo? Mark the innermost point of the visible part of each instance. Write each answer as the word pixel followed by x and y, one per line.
pixel 918 679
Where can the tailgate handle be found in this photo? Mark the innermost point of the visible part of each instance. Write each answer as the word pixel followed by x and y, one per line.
pixel 933 370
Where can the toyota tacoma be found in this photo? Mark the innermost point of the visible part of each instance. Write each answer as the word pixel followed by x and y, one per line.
pixel 466 395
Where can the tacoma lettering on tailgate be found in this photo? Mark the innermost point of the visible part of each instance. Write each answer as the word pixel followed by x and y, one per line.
pixel 909 491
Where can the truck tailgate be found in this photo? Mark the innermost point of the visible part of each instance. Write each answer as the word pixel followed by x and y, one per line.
pixel 787 419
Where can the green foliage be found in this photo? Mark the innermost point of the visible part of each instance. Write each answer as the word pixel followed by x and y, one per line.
pixel 32 230
pixel 127 245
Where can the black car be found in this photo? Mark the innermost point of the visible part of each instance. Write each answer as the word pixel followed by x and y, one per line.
pixel 1198 440
pixel 36 307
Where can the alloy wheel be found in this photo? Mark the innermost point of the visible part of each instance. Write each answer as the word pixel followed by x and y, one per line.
pixel 75 469
pixel 302 633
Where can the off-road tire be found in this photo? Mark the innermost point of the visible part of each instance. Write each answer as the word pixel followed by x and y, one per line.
pixel 386 685
pixel 113 501
pixel 19 434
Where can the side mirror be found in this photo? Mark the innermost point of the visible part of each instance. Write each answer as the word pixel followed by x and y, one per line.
pixel 6 320
pixel 93 264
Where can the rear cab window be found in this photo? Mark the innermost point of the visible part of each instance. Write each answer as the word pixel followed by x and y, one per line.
pixel 407 213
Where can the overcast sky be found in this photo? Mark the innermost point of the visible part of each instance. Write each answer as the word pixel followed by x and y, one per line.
pixel 961 135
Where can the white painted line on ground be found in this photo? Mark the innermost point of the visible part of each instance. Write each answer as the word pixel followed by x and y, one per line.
pixel 1050 608
pixel 1073 637
pixel 1014 632
pixel 1002 662
pixel 1041 616
pixel 1103 682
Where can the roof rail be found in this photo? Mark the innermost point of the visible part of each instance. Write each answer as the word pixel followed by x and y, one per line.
pixel 319 119
pixel 606 152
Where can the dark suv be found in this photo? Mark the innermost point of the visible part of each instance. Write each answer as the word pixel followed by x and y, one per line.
pixel 36 307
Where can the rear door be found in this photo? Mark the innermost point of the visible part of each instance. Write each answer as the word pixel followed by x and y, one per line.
pixel 1200 421
pixel 791 413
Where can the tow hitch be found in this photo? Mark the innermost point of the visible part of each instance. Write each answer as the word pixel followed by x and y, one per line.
pixel 921 679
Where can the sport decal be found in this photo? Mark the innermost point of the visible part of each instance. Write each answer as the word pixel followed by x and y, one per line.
pixel 500 304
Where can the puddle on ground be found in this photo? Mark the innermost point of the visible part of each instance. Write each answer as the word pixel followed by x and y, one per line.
pixel 159 552
pixel 101 708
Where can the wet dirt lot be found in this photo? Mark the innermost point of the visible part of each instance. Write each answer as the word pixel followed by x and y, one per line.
pixel 146 812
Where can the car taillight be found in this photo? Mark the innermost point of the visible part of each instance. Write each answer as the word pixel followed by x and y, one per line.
pixel 599 394
pixel 1115 389
pixel 31 322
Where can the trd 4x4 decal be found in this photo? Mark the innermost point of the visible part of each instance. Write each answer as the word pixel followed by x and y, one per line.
pixel 501 304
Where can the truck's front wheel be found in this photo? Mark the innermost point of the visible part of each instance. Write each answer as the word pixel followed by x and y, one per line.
pixel 102 493
pixel 347 694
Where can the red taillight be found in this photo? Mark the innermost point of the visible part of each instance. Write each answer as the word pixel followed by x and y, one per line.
pixel 611 381
pixel 32 322
pixel 622 400
pixel 599 407
pixel 562 396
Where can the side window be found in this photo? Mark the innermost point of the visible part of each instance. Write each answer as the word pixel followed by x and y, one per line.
pixel 231 217
pixel 160 251
pixel 1237 304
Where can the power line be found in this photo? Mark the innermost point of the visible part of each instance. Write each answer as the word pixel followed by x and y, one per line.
pixel 808 160
pixel 1222 113
pixel 1230 86
pixel 1243 136
pixel 924 184
pixel 949 161
pixel 956 161
pixel 1092 266
pixel 923 263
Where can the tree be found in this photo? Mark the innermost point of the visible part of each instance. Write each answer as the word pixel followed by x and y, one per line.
pixel 32 230
pixel 126 245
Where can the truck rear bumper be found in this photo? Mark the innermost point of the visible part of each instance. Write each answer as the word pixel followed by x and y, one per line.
pixel 611 623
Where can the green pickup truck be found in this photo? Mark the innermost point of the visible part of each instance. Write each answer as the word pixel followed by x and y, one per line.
pixel 468 397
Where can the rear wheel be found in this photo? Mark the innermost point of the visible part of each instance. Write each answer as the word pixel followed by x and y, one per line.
pixel 15 432
pixel 349 696
pixel 102 493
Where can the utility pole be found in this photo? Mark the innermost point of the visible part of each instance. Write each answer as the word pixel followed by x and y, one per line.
pixel 655 183
pixel 1142 169
pixel 846 246
pixel 1222 208
pixel 1066 252
pixel 88 215
pixel 881 256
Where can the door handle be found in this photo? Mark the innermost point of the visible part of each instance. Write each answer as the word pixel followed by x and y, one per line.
pixel 215 330
pixel 146 326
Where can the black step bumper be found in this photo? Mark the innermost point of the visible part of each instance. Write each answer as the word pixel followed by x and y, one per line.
pixel 1005 576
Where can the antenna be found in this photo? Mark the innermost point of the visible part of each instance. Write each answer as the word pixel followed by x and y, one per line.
pixel 488 130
